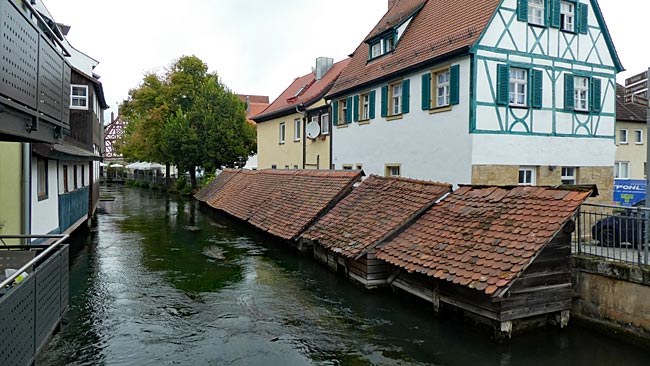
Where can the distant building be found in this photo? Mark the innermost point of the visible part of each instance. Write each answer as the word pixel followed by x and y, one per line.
pixel 294 131
pixel 255 104
pixel 631 136
pixel 491 92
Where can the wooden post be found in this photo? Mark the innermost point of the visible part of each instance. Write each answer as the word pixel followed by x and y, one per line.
pixel 436 297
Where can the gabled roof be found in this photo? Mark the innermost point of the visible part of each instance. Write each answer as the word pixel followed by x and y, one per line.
pixel 440 28
pixel 373 211
pixel 257 104
pixel 483 238
pixel 281 202
pixel 628 112
pixel 305 91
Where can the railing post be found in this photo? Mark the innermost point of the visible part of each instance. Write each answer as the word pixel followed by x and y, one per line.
pixel 578 231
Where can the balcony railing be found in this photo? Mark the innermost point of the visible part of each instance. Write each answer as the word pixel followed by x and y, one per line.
pixel 613 233
pixel 31 308
pixel 72 207
pixel 35 78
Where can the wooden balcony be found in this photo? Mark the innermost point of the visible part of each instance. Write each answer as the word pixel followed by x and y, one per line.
pixel 34 77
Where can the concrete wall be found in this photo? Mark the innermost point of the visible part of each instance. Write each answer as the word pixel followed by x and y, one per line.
pixel 612 295
pixel 10 188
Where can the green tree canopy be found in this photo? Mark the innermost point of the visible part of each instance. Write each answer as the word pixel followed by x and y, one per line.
pixel 188 118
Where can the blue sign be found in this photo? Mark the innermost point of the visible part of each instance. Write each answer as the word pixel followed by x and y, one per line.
pixel 628 191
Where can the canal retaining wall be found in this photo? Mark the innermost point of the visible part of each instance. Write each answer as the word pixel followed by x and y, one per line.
pixel 612 295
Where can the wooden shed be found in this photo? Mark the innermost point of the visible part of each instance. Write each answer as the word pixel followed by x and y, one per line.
pixel 346 237
pixel 283 203
pixel 501 255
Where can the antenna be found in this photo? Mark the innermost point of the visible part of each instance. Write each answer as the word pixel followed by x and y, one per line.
pixel 313 130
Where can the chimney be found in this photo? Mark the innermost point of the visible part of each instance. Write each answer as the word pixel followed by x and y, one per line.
pixel 323 65
pixel 248 104
pixel 112 116
pixel 391 3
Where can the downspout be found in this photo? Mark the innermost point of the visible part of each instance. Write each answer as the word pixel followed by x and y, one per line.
pixel 26 190
pixel 331 130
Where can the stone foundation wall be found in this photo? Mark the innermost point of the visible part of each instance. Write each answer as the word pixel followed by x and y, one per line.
pixel 495 175
pixel 612 295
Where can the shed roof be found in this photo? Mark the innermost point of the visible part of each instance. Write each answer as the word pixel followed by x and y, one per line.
pixel 215 185
pixel 305 90
pixel 483 238
pixel 374 210
pixel 281 202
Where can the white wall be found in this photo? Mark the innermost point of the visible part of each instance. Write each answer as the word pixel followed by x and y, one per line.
pixel 428 146
pixel 45 213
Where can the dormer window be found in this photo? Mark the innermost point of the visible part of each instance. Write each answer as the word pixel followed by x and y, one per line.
pixel 375 50
pixel 383 44
pixel 389 44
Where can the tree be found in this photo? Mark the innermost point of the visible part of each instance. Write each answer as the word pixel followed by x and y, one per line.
pixel 186 117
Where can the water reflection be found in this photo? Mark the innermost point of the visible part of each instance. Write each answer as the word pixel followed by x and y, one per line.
pixel 161 281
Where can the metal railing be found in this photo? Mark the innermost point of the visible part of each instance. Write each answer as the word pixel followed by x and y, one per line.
pixel 614 233
pixel 31 307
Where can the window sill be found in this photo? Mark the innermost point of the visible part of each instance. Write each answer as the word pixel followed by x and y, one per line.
pixel 364 122
pixel 582 111
pixel 394 117
pixel 537 25
pixel 281 143
pixel 343 126
pixel 296 140
pixel 445 108
pixel 42 198
pixel 623 143
pixel 79 108
pixel 517 106
pixel 568 31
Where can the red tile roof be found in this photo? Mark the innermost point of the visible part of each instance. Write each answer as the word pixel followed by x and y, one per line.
pixel 483 238
pixel 441 27
pixel 281 202
pixel 374 210
pixel 313 91
pixel 215 185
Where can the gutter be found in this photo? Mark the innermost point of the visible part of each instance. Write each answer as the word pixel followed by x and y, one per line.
pixel 26 190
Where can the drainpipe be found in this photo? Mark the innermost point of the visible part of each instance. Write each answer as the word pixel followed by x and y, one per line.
pixel 26 191
pixel 331 130
pixel 303 134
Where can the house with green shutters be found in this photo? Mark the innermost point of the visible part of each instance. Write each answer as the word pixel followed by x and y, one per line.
pixel 498 92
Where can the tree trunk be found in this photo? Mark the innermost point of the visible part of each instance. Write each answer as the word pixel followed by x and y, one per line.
pixel 168 167
pixel 193 177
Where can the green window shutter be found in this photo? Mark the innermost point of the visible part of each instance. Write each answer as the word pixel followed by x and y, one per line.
pixel 426 91
pixel 406 96
pixel 537 94
pixel 522 10
pixel 596 96
pixel 583 18
pixel 555 7
pixel 384 101
pixel 335 113
pixel 568 92
pixel 356 108
pixel 348 111
pixel 371 113
pixel 503 84
pixel 454 85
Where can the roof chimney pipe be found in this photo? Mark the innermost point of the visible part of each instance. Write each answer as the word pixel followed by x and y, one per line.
pixel 323 65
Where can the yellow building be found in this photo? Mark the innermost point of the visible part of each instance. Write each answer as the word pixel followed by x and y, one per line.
pixel 10 188
pixel 630 140
pixel 294 132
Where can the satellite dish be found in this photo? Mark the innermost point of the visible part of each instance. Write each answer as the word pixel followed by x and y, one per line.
pixel 313 130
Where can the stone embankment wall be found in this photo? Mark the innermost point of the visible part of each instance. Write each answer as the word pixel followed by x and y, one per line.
pixel 613 295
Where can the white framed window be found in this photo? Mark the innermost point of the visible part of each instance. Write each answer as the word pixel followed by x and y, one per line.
pixel 42 185
pixel 638 137
pixel 567 16
pixel 79 97
pixel 395 99
pixel 622 170
pixel 442 88
pixel 389 44
pixel 325 124
pixel 518 87
pixel 365 106
pixel 375 50
pixel 536 12
pixel 393 170
pixel 296 129
pixel 622 136
pixel 343 111
pixel 283 130
pixel 581 93
pixel 569 175
pixel 527 176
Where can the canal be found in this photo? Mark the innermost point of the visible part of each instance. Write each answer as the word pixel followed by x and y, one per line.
pixel 161 281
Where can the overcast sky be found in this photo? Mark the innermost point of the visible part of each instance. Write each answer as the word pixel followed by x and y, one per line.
pixel 259 47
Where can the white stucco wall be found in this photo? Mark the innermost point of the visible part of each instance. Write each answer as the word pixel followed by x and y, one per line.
pixel 45 213
pixel 432 146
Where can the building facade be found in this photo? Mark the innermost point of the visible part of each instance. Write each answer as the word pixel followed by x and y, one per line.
pixel 294 132
pixel 491 93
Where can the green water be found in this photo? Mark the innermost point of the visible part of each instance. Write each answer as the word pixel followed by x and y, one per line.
pixel 144 292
